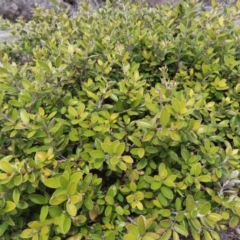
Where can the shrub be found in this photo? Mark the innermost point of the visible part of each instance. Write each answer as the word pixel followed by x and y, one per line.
pixel 122 123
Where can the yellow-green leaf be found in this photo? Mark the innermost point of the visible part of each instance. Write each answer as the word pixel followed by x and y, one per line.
pixel 167 192
pixel 204 178
pixel 215 217
pixel 16 195
pixel 27 233
pixel 45 66
pixel 164 117
pixel 144 124
pixel 71 209
pixel 165 212
pixel 165 224
pixel 221 21
pixel 66 225
pixel 141 152
pixel 24 116
pixel 119 210
pixel 120 149
pixel 9 206
pixel 207 235
pixel 72 111
pixel 205 208
pixel 130 237
pixel 127 159
pixel 58 61
pixel 40 157
pixel 109 200
pixel 180 229
pixel 133 186
pixel 38 199
pixel 3 227
pixel 150 236
pixel 153 107
pixel 6 166
pixel 43 213
pixel 175 236
pixel 174 135
pixel 234 221
pixel 97 154
pixel 195 225
pixel 167 235
pixel 93 214
pixel 93 95
pixel 139 205
pixel 141 225
pixel 88 203
pixel 52 182
pixel 72 188
pixel 176 105
pixel 190 203
pixel 215 235
pixel 56 200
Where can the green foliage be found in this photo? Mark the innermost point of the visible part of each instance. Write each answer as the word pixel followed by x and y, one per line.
pixel 122 123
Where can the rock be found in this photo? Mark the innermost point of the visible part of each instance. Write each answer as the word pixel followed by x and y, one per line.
pixel 6 35
pixel 12 9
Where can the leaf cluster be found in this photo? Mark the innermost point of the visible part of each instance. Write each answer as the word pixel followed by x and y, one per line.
pixel 121 123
